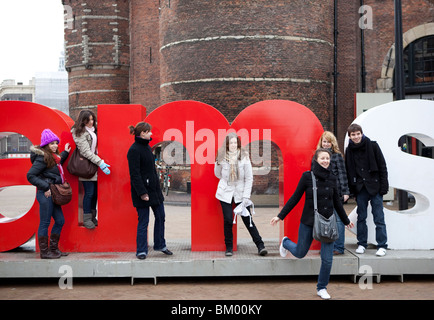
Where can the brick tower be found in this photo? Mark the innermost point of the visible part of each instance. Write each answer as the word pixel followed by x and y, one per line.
pixel 231 54
pixel 97 53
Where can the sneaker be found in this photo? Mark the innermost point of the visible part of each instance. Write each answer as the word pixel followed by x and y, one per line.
pixel 283 252
pixel 323 294
pixel 228 253
pixel 381 252
pixel 360 249
pixel 141 256
pixel 262 252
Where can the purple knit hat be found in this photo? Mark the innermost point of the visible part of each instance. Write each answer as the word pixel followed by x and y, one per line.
pixel 48 136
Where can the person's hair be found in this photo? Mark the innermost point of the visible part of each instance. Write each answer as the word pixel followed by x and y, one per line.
pixel 82 120
pixel 354 127
pixel 48 157
pixel 318 151
pixel 329 137
pixel 225 147
pixel 140 126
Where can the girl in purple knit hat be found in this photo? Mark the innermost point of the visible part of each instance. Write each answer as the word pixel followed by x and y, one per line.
pixel 47 169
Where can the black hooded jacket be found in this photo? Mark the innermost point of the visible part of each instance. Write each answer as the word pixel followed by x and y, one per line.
pixel 327 196
pixel 39 174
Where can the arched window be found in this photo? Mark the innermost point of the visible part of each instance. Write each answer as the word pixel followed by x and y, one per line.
pixel 419 65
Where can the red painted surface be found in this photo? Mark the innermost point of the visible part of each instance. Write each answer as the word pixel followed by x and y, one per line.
pixel 199 127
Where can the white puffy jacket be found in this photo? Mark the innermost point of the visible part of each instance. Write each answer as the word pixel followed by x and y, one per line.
pixel 242 188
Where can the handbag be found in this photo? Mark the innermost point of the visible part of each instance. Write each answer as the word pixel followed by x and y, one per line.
pixel 81 166
pixel 61 194
pixel 324 229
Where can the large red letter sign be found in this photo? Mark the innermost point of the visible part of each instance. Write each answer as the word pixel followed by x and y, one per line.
pixel 28 119
pixel 292 127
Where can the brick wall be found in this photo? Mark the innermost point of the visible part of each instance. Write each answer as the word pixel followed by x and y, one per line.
pixel 97 54
pixel 232 54
pixel 145 54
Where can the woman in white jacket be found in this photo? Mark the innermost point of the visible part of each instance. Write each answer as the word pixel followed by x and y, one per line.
pixel 234 169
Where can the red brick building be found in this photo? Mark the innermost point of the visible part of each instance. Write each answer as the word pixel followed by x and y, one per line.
pixel 231 54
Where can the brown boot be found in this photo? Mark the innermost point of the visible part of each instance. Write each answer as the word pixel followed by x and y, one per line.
pixel 44 250
pixel 54 245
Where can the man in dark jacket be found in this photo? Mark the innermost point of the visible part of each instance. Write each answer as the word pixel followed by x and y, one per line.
pixel 367 178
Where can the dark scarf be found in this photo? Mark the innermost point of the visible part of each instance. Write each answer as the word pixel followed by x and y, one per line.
pixel 365 146
pixel 319 171
pixel 142 141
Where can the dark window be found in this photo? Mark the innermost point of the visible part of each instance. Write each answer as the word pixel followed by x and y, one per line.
pixel 419 63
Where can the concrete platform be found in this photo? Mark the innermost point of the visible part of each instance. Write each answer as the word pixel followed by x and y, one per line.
pixel 184 263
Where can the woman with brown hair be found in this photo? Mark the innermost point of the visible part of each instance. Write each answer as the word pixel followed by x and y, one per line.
pixel 234 169
pixel 146 190
pixel 328 202
pixel 84 133
pixel 337 167
pixel 47 169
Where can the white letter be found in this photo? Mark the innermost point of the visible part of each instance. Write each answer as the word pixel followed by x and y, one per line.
pixel 205 148
pixel 189 141
pixel 266 150
pixel 367 274
pixel 410 229
pixel 368 16
pixel 218 309
pixel 65 281
pixel 68 17
pixel 174 147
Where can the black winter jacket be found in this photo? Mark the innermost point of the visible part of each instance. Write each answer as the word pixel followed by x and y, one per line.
pixel 366 167
pixel 143 176
pixel 39 174
pixel 327 196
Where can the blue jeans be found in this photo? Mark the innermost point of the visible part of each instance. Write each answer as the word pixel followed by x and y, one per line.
pixel 377 212
pixel 90 196
pixel 300 249
pixel 48 210
pixel 142 229
pixel 340 242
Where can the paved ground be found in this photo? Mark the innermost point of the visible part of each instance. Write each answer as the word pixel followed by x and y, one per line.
pixel 14 201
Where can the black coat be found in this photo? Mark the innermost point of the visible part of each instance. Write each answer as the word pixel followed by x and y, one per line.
pixel 39 174
pixel 143 176
pixel 327 196
pixel 366 167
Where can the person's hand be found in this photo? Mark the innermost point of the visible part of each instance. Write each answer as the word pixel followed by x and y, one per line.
pixel 104 167
pixel 144 197
pixel 246 202
pixel 350 225
pixel 67 147
pixel 346 197
pixel 275 220
pixel 47 193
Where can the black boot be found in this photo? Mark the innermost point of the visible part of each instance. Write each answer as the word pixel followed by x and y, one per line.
pixel 261 250
pixel 44 250
pixel 54 245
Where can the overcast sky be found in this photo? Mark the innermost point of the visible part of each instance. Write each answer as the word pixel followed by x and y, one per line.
pixel 31 37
